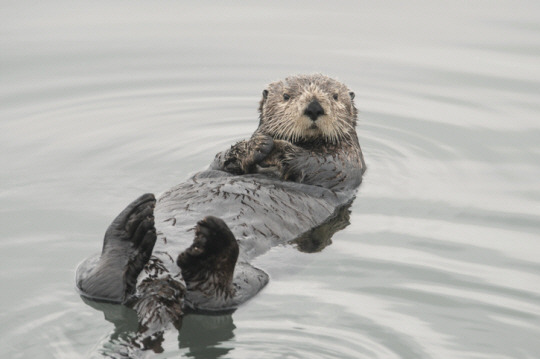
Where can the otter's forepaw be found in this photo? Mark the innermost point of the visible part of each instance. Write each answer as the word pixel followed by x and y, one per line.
pixel 259 147
pixel 277 161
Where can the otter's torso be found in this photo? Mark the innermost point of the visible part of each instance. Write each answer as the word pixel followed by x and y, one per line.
pixel 260 210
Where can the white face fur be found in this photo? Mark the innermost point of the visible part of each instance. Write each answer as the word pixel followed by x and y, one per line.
pixel 284 104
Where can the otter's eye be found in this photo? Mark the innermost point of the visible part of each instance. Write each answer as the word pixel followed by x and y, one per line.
pixel 335 96
pixel 286 97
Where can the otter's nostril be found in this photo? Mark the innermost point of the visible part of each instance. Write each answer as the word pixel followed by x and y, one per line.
pixel 314 110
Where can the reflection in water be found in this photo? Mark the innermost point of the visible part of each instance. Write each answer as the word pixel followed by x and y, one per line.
pixel 201 334
pixel 127 339
pixel 124 341
pixel 124 318
pixel 320 237
pixel 204 335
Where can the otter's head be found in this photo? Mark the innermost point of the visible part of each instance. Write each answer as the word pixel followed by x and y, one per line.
pixel 308 108
pixel 208 264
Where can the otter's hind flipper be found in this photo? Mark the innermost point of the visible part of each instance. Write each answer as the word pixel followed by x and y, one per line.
pixel 127 246
pixel 214 281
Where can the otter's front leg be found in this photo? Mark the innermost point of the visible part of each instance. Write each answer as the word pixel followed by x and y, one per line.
pixel 284 157
pixel 335 171
pixel 244 156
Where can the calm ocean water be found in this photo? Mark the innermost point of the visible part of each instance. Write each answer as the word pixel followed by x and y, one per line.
pixel 103 101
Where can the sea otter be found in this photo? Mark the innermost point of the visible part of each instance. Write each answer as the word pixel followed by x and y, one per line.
pixel 302 164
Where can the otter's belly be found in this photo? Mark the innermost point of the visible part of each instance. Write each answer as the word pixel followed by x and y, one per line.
pixel 260 211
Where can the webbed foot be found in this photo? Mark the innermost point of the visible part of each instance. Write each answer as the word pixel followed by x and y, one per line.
pixel 214 248
pixel 214 281
pixel 208 265
pixel 127 246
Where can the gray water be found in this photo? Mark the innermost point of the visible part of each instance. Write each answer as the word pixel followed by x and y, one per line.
pixel 102 101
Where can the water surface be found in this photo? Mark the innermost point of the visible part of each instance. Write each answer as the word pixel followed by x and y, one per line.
pixel 102 102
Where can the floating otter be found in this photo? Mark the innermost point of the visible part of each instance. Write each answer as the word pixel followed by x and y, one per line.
pixel 299 168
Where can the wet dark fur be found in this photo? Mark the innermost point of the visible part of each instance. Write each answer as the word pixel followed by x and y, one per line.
pixel 216 264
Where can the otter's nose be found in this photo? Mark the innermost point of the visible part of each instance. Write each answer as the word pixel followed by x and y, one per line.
pixel 314 110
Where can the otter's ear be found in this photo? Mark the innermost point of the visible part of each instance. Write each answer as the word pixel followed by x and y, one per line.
pixel 263 100
pixel 352 95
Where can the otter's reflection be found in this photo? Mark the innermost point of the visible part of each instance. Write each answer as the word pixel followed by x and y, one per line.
pixel 201 334
pixel 318 238
pixel 204 335
pixel 127 339
pixel 124 318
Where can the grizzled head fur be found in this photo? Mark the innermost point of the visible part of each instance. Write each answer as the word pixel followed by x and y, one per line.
pixel 308 108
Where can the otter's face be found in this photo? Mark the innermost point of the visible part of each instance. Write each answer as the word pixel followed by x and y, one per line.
pixel 308 108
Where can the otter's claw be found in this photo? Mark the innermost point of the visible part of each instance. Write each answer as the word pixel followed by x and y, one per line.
pixel 262 146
